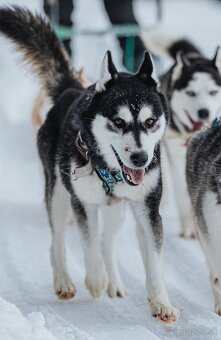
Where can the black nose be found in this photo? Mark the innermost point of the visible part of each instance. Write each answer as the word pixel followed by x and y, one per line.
pixel 203 114
pixel 139 159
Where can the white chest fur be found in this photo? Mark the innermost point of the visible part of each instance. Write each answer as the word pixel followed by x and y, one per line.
pixel 176 148
pixel 90 189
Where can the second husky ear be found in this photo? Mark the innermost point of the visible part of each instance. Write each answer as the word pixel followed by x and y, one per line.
pixel 181 62
pixel 107 72
pixel 147 69
pixel 217 59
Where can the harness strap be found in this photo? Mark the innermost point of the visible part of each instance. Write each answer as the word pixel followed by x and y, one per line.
pixel 81 146
pixel 86 169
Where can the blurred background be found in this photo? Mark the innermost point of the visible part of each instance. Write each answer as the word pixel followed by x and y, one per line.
pixel 92 26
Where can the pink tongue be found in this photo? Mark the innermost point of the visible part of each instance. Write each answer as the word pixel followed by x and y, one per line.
pixel 136 175
pixel 197 126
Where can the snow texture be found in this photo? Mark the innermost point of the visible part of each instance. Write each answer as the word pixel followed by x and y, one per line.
pixel 28 306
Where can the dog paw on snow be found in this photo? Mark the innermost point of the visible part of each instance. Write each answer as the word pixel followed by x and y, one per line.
pixel 116 289
pixel 64 287
pixel 96 282
pixel 188 233
pixel 218 309
pixel 187 227
pixel 163 312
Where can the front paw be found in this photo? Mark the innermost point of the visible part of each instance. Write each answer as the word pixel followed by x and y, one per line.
pixel 218 309
pixel 187 227
pixel 188 233
pixel 164 312
pixel 116 289
pixel 96 282
pixel 64 287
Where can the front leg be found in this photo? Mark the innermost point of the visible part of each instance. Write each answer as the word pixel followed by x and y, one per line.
pixel 150 236
pixel 113 219
pixel 96 276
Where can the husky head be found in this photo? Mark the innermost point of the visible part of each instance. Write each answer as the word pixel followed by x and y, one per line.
pixel 128 118
pixel 196 89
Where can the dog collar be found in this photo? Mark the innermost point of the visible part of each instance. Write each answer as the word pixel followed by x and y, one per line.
pixel 216 122
pixel 87 169
pixel 109 179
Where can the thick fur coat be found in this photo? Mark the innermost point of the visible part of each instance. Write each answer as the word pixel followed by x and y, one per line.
pixel 113 127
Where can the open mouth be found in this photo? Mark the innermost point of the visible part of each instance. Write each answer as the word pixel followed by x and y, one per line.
pixel 131 176
pixel 196 125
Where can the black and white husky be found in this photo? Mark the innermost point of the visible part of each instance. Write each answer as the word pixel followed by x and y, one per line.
pixel 98 147
pixel 204 184
pixel 193 89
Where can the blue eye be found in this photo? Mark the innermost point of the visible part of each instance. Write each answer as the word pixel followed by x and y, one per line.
pixel 191 93
pixel 213 92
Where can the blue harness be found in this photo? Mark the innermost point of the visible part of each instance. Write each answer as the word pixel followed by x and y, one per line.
pixel 203 135
pixel 216 122
pixel 109 180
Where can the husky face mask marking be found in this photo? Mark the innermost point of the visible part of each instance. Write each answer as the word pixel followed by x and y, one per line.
pixel 129 120
pixel 196 96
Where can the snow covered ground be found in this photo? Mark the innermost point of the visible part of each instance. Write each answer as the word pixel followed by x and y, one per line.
pixel 28 306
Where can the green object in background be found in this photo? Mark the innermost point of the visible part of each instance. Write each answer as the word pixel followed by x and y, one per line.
pixel 129 53
pixel 127 31
pixel 63 32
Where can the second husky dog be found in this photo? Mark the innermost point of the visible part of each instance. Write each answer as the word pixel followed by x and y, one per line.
pixel 204 184
pixel 193 89
pixel 98 146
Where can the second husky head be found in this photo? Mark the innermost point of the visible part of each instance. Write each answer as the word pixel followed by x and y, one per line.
pixel 196 89
pixel 127 118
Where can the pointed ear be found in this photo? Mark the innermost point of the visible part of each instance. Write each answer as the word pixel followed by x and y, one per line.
pixel 181 62
pixel 217 59
pixel 107 72
pixel 147 69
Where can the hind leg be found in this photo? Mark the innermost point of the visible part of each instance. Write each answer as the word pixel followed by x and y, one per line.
pixel 210 237
pixel 215 276
pixel 59 212
pixel 216 286
pixel 176 153
pixel 183 200
pixel 113 218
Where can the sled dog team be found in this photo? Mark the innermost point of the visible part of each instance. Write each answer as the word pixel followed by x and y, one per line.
pixel 100 145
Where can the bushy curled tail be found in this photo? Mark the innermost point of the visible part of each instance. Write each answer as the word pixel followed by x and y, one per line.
pixel 41 48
